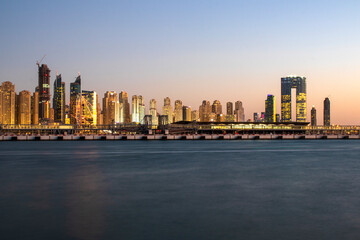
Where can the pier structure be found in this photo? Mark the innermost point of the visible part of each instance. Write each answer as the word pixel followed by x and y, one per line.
pixel 179 131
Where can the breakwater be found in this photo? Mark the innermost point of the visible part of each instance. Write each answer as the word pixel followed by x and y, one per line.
pixel 113 137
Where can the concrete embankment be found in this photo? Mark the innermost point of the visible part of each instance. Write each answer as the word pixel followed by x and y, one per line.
pixel 170 137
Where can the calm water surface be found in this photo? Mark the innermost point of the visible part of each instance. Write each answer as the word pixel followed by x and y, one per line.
pixel 180 190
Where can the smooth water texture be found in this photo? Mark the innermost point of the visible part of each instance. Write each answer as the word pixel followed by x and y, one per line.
pixel 180 190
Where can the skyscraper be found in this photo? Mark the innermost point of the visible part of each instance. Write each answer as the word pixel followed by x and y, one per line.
pixel 178 111
pixel 256 117
pixel 124 107
pixel 229 108
pixel 313 116
pixel 239 112
pixel 186 113
pixel 110 108
pixel 270 109
pixel 138 109
pixel 167 110
pixel 204 111
pixel 88 108
pixel 216 107
pixel 24 108
pixel 327 112
pixel 35 107
pixel 44 93
pixel 195 115
pixel 153 112
pixel 7 103
pixel 59 100
pixel 287 83
pixel 75 101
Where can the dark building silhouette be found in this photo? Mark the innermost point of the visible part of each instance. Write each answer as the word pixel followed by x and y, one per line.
pixel 59 100
pixel 327 112
pixel 44 93
pixel 313 116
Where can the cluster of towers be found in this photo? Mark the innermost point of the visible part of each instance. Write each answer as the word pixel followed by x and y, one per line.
pixel 287 84
pixel 85 109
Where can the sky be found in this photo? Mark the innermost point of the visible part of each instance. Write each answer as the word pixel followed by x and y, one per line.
pixel 191 50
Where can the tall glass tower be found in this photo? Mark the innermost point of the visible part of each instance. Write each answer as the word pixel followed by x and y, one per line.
pixel 75 101
pixel 287 83
pixel 270 109
pixel 327 112
pixel 44 93
pixel 59 100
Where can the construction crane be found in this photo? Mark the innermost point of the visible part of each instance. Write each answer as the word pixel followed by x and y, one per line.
pixel 38 62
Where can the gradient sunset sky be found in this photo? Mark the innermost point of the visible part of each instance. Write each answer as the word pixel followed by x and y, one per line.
pixel 190 49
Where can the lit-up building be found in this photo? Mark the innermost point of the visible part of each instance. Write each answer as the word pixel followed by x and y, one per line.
pixel 313 116
pixel 239 112
pixel 44 93
pixel 270 109
pixel 167 110
pixel 75 101
pixel 327 112
pixel 287 83
pixel 153 112
pixel 124 107
pixel 186 113
pixel 35 107
pixel 138 109
pixel 24 108
pixel 88 108
pixel 178 111
pixel 256 117
pixel 229 108
pixel 59 100
pixel 7 103
pixel 195 115
pixel 204 111
pixel 110 108
pixel 216 107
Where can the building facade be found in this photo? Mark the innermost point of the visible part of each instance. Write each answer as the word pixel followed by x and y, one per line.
pixel 7 103
pixel 313 116
pixel 44 93
pixel 327 112
pixel 59 100
pixel 287 83
pixel 270 109
pixel 75 101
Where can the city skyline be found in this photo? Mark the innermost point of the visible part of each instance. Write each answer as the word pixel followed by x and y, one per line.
pixel 190 51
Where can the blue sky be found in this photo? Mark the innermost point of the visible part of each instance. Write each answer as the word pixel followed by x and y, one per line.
pixel 189 50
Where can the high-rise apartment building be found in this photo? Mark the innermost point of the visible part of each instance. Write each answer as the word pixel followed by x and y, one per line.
pixel 124 107
pixel 59 100
pixel 24 108
pixel 110 108
pixel 186 113
pixel 229 108
pixel 287 83
pixel 153 112
pixel 167 110
pixel 313 116
pixel 195 115
pixel 138 109
pixel 178 111
pixel 216 107
pixel 75 101
pixel 204 111
pixel 88 108
pixel 44 93
pixel 270 109
pixel 327 112
pixel 7 103
pixel 35 107
pixel 239 112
